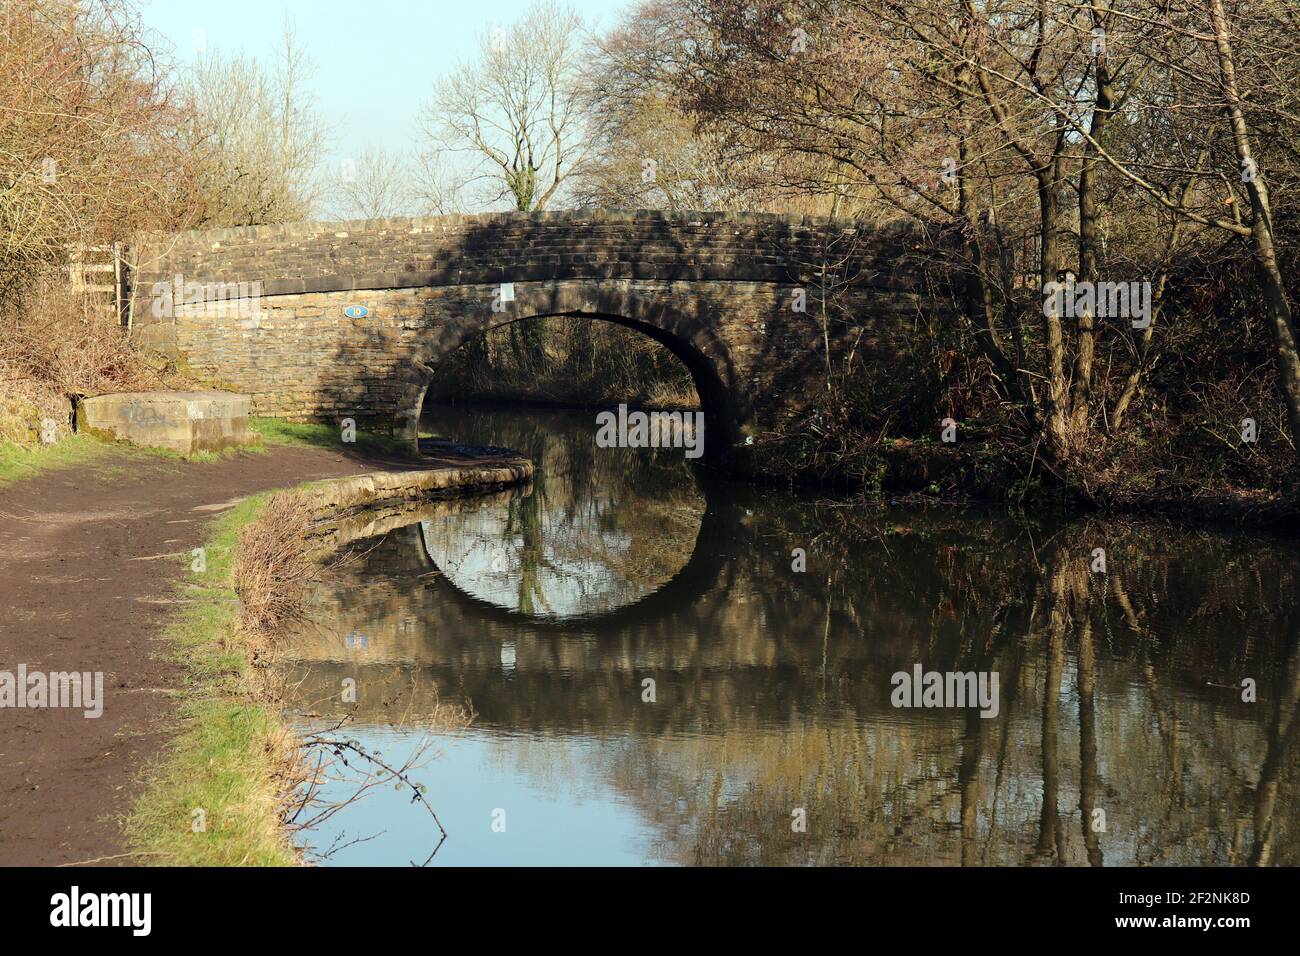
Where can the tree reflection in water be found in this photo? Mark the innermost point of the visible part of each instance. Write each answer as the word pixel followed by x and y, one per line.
pixel 1121 692
pixel 597 531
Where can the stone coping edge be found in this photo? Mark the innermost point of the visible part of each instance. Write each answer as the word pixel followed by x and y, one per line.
pixel 335 497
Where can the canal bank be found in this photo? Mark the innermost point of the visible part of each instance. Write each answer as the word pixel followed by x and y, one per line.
pixel 92 557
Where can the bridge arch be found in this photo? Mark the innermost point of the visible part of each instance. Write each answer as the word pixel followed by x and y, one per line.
pixel 692 341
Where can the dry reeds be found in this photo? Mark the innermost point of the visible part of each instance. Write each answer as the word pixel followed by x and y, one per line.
pixel 272 566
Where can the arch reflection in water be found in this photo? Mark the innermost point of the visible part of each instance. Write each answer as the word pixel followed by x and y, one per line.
pixel 586 539
pixel 1119 694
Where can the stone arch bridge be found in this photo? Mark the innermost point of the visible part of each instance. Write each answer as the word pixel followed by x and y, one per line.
pixel 326 321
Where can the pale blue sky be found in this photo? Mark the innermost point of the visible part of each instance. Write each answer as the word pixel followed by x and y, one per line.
pixel 375 61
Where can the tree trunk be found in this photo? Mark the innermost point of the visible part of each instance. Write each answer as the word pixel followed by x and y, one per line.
pixel 1081 400
pixel 1049 264
pixel 1276 306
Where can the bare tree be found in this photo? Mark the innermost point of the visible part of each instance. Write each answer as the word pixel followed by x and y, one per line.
pixel 1054 140
pixel 88 149
pixel 651 153
pixel 436 190
pixel 1184 57
pixel 374 184
pixel 261 135
pixel 517 109
pixel 89 154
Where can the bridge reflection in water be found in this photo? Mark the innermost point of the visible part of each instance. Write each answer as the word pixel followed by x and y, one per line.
pixel 1121 738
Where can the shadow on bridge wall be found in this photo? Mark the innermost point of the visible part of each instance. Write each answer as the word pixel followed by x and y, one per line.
pixel 685 324
pixel 754 358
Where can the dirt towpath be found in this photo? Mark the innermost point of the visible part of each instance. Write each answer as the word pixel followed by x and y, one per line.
pixel 87 574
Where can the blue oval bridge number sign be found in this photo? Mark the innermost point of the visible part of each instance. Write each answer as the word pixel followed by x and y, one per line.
pixel 356 312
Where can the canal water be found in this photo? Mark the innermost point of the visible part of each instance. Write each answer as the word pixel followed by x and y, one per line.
pixel 669 670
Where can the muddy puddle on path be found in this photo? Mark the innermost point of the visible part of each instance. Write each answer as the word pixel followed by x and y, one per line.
pixel 1120 735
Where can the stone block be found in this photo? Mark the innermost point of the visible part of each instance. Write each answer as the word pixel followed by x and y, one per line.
pixel 183 422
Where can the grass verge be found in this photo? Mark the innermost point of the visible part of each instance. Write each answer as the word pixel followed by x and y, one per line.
pixel 19 461
pixel 230 761
pixel 277 431
pixel 24 461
